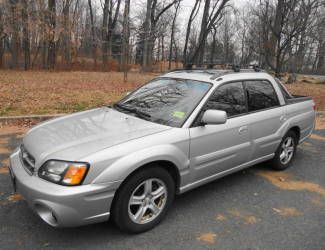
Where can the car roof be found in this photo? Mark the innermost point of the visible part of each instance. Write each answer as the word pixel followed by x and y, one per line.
pixel 217 76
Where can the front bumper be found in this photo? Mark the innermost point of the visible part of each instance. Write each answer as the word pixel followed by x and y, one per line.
pixel 62 206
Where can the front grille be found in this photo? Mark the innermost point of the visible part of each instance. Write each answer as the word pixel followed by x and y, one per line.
pixel 27 159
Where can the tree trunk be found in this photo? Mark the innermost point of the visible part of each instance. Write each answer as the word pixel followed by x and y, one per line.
pixel 104 34
pixel 67 33
pixel 172 36
pixel 276 38
pixel 202 37
pixel 212 21
pixel 188 31
pixel 26 42
pixel 93 35
pixel 146 37
pixel 321 56
pixel 15 42
pixel 213 45
pixel 51 57
pixel 126 31
pixel 2 38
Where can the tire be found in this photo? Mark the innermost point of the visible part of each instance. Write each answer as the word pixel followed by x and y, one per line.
pixel 140 214
pixel 283 156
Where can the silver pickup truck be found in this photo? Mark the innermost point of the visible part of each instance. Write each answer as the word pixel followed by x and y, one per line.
pixel 175 133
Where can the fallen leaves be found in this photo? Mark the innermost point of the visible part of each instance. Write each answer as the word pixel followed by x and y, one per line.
pixel 221 217
pixel 11 199
pixel 243 215
pixel 209 237
pixel 35 92
pixel 316 91
pixel 287 211
pixel 283 180
pixel 15 198
pixel 317 137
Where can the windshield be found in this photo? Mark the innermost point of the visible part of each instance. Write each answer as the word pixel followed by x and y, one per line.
pixel 164 100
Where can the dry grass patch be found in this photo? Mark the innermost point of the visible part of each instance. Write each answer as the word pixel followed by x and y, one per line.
pixel 23 93
pixel 316 91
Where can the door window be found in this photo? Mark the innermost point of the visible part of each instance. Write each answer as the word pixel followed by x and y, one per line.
pixel 260 95
pixel 230 98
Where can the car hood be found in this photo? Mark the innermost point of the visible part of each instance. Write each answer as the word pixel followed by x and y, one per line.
pixel 75 136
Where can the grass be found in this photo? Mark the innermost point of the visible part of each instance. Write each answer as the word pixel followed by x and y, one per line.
pixel 23 93
pixel 40 92
pixel 315 90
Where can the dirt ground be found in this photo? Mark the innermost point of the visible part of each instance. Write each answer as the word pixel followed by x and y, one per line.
pixel 40 92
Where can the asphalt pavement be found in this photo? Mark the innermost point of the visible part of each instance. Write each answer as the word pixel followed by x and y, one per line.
pixel 253 209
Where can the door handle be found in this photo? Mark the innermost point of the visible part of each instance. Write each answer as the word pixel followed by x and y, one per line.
pixel 243 129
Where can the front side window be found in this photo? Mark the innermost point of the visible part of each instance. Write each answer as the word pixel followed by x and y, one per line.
pixel 260 95
pixel 230 98
pixel 164 100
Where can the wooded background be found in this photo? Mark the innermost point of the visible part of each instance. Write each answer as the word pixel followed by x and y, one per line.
pixel 279 35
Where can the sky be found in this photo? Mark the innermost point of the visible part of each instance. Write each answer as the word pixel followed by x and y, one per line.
pixel 185 7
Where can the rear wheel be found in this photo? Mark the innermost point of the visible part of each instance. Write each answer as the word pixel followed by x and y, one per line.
pixel 285 152
pixel 144 199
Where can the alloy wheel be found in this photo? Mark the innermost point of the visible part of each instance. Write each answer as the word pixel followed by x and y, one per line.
pixel 147 201
pixel 287 150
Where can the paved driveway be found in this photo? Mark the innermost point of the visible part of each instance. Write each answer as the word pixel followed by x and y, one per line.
pixel 255 208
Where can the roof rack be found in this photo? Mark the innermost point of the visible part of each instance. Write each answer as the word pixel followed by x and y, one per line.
pixel 211 66
pixel 224 69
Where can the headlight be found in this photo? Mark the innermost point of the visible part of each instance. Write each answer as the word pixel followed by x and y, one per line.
pixel 64 172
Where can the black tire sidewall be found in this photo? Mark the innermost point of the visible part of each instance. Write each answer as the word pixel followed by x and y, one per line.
pixel 120 206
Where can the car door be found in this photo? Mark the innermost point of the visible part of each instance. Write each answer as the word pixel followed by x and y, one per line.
pixel 265 117
pixel 216 148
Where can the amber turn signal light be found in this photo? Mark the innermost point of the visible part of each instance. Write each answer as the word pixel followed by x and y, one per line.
pixel 75 174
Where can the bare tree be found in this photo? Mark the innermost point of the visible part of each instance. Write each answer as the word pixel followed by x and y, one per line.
pixel 67 32
pixel 193 14
pixel 93 35
pixel 126 33
pixel 2 35
pixel 51 58
pixel 105 34
pixel 110 14
pixel 15 44
pixel 26 43
pixel 280 35
pixel 172 35
pixel 153 15
pixel 214 17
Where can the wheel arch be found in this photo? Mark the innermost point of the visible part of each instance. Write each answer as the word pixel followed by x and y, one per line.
pixel 296 130
pixel 169 166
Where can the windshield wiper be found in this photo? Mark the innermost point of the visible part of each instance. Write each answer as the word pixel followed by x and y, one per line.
pixel 138 112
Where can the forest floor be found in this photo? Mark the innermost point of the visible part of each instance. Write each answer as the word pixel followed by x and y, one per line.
pixel 40 92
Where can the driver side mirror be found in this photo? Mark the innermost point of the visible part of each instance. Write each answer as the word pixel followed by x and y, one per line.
pixel 214 117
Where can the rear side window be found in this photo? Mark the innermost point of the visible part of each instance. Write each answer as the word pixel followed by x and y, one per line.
pixel 260 95
pixel 230 98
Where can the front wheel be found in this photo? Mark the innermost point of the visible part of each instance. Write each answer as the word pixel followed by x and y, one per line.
pixel 285 152
pixel 143 200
